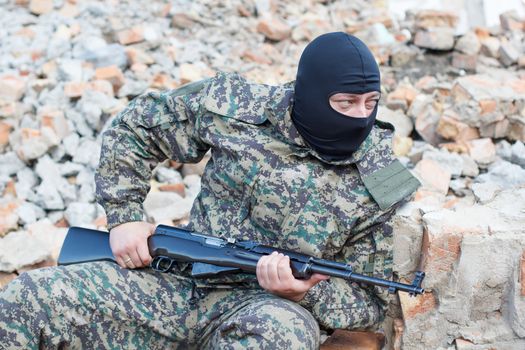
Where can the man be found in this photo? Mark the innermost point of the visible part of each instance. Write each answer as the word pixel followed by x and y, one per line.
pixel 303 167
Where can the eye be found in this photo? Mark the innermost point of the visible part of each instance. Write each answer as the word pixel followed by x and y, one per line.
pixel 345 103
pixel 371 104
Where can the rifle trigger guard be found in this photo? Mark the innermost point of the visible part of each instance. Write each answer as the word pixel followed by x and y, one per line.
pixel 161 264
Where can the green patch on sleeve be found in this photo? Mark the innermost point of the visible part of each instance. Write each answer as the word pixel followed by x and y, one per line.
pixel 391 184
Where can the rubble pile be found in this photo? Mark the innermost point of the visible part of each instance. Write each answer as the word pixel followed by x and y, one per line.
pixel 68 67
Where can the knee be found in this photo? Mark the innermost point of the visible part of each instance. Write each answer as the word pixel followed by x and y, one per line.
pixel 275 324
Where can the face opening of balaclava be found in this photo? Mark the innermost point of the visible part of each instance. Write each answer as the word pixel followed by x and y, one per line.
pixel 333 63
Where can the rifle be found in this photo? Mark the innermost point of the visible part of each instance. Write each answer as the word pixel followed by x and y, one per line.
pixel 211 256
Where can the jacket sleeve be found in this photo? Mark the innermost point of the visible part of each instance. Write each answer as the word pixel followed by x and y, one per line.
pixel 337 303
pixel 154 127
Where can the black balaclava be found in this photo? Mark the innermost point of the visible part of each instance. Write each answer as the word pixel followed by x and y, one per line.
pixel 333 63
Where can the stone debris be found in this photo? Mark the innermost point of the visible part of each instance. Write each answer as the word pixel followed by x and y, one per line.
pixel 456 100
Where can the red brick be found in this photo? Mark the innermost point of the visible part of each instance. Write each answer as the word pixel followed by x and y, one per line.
pixel 177 188
pixel 274 29
pixel 45 263
pixel 73 89
pixel 433 176
pixel 440 250
pixel 40 7
pixel 103 86
pixel 452 129
pixel 11 88
pixel 412 306
pixel 482 150
pixel 482 33
pixel 5 130
pixel 54 119
pixel 62 223
pixel 113 74
pixel 256 57
pixel 5 278
pixel 69 10
pixel 8 217
pixel 403 92
pixel 131 36
pixel 353 340
pixel 434 18
pixel 487 106
pixel 522 270
pixel 10 189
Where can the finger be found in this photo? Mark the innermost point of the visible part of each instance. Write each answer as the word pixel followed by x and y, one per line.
pixel 313 280
pixel 120 262
pixel 285 271
pixel 135 259
pixel 143 253
pixel 272 269
pixel 126 260
pixel 152 229
pixel 261 271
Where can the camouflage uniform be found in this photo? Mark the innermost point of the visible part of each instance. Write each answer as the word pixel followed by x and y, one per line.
pixel 262 183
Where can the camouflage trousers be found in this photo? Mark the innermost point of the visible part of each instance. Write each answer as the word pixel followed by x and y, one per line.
pixel 101 306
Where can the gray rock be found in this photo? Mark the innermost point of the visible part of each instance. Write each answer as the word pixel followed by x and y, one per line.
pixel 518 154
pixel 504 174
pixel 168 175
pixel 10 163
pixel 34 147
pixel 4 180
pixel 80 214
pixel 70 143
pixel 80 123
pixel 95 49
pixel 401 122
pixel 459 187
pixel 161 206
pixel 48 197
pixel 504 150
pixel 48 170
pixel 87 192
pixel 438 38
pixel 407 238
pixel 418 149
pixel 470 167
pixel 451 162
pixel 132 88
pixel 193 186
pixel 486 191
pixel 376 34
pixel 26 181
pixel 508 54
pixel 468 44
pixel 55 216
pixel 18 249
pixel 29 213
pixel 70 70
pixel 90 110
pixel 70 168
pixel 93 104
pixel 88 153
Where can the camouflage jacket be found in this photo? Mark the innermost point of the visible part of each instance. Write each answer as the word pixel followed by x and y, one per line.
pixel 262 182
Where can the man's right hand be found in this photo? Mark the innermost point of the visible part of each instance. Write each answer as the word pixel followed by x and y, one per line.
pixel 129 244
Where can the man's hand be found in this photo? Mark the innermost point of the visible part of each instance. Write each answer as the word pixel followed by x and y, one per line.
pixel 275 275
pixel 129 244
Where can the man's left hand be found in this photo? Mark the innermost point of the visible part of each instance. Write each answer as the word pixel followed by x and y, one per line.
pixel 275 275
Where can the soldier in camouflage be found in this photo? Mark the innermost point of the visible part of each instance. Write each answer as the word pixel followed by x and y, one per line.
pixel 301 166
